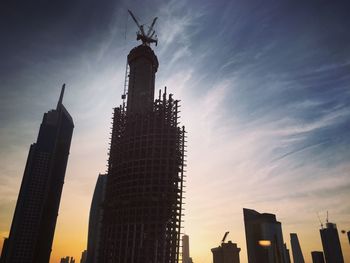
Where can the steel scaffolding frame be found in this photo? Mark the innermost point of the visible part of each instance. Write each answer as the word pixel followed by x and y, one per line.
pixel 143 204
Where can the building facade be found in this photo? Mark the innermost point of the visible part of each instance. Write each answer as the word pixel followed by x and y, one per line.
pixel 264 238
pixel 185 248
pixel 226 253
pixel 287 254
pixel 317 257
pixel 296 249
pixel 35 216
pixel 143 203
pixel 331 244
pixel 83 256
pixel 95 219
pixel 4 250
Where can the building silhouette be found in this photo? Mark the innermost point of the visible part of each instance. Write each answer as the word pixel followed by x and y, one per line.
pixel 143 203
pixel 67 260
pixel 331 244
pixel 287 254
pixel 226 253
pixel 317 257
pixel 296 249
pixel 264 237
pixel 35 216
pixel 95 219
pixel 4 250
pixel 186 249
pixel 83 256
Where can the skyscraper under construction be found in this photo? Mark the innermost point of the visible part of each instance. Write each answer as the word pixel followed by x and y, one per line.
pixel 143 199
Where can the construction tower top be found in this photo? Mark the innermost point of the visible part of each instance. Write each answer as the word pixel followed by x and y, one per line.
pixel 146 38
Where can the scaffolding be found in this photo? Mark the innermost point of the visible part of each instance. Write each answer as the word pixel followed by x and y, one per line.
pixel 143 208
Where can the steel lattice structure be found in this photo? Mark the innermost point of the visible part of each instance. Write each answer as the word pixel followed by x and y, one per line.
pixel 143 204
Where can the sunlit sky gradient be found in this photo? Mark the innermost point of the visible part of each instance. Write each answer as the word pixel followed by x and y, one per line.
pixel 265 94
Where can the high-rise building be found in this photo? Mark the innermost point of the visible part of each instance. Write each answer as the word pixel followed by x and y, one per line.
pixel 186 249
pixel 264 237
pixel 286 254
pixel 331 244
pixel 143 203
pixel 35 216
pixel 226 253
pixel 4 250
pixel 95 219
pixel 296 249
pixel 317 257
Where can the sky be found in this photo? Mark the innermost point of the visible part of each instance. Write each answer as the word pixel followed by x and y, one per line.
pixel 265 98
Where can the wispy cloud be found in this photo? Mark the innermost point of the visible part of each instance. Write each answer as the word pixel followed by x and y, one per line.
pixel 265 98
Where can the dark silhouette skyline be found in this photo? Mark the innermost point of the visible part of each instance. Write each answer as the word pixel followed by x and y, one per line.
pixel 34 220
pixel 264 90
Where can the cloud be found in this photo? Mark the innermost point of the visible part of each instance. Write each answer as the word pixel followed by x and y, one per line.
pixel 264 98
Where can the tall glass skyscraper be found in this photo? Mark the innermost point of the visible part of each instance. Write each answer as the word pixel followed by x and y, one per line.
pixel 264 238
pixel 35 216
pixel 331 244
pixel 296 249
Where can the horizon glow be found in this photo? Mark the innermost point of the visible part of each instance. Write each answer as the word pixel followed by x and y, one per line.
pixel 264 90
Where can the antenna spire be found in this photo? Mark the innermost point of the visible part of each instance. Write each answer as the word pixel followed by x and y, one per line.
pixel 320 220
pixel 61 95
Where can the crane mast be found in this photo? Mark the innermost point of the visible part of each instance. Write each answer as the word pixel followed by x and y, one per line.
pixel 224 238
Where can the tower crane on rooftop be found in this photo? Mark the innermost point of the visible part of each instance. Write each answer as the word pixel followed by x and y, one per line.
pixel 146 38
pixel 224 238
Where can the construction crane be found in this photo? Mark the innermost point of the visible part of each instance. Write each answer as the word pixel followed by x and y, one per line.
pixel 224 238
pixel 146 38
